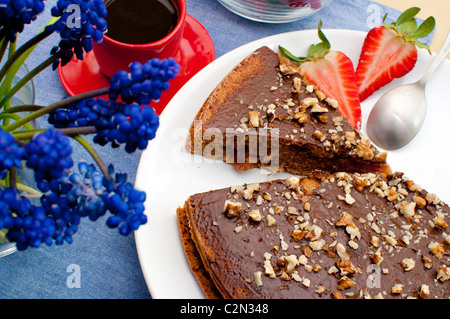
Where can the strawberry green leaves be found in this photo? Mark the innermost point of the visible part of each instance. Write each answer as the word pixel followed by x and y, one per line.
pixel 406 27
pixel 315 51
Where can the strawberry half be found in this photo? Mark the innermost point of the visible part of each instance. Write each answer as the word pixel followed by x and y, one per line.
pixel 390 51
pixel 332 73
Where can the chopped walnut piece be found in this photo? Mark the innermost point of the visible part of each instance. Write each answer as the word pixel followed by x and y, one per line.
pixel 292 182
pixel 376 258
pixel 301 117
pixel 420 201
pixel 413 187
pixel 345 283
pixel 320 95
pixel 254 118
pixel 437 249
pixel 350 136
pixel 297 85
pixel 345 219
pixel 317 245
pixel 255 215
pixel 391 194
pixel 319 135
pixel 288 69
pixel 318 109
pixel 443 273
pixel 340 249
pixel 320 290
pixel 346 267
pixel 390 240
pixel 440 223
pixel 232 209
pixel 424 291
pixel 298 235
pixel 427 262
pixel 332 102
pixel 268 269
pixel 381 157
pixel 364 149
pixel 248 191
pixel 323 118
pixel 292 262
pixel 408 264
pixel 314 234
pixel 309 101
pixel 271 221
pixel 432 199
pixel 407 209
pixel 336 295
pixel 397 289
pixel 258 278
pixel 306 282
pixel 267 196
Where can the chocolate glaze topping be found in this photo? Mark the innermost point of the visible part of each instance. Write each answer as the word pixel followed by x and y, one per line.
pixel 344 236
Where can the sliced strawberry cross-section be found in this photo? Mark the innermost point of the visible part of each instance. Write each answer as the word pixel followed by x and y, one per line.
pixel 389 51
pixel 332 73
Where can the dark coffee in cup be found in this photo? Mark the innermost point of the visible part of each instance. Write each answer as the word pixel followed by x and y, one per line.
pixel 140 21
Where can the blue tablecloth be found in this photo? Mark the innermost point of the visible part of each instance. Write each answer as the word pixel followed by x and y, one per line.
pixel 107 262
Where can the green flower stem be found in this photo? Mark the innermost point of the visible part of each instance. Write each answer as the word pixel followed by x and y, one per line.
pixel 72 131
pixel 22 108
pixel 94 155
pixel 14 117
pixel 54 106
pixel 27 78
pixel 13 177
pixel 27 48
pixel 31 191
pixel 3 47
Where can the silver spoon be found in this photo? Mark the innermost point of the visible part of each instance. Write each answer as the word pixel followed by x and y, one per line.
pixel 398 115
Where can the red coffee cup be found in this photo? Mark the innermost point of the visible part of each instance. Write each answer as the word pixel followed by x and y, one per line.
pixel 113 56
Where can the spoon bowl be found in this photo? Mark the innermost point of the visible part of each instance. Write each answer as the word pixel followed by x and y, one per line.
pixel 398 115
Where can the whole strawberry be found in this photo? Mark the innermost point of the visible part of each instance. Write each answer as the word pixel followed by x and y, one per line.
pixel 332 73
pixel 390 51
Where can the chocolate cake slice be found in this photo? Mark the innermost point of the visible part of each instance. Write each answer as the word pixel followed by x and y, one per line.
pixel 264 114
pixel 324 236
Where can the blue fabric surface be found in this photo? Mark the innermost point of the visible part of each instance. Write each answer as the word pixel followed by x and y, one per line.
pixel 107 262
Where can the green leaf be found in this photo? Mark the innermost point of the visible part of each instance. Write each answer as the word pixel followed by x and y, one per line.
pixel 425 28
pixel 407 27
pixel 423 46
pixel 322 36
pixel 321 49
pixel 289 55
pixel 407 15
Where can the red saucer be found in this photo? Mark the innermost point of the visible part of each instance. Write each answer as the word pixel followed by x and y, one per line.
pixel 196 51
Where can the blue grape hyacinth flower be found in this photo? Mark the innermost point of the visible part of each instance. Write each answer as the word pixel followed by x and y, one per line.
pixel 81 22
pixel 145 82
pixel 116 122
pixel 49 155
pixel 15 14
pixel 11 154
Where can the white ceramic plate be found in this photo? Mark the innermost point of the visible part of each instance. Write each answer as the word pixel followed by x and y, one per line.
pixel 168 174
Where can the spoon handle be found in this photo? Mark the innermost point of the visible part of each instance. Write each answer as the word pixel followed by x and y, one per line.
pixel 445 49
